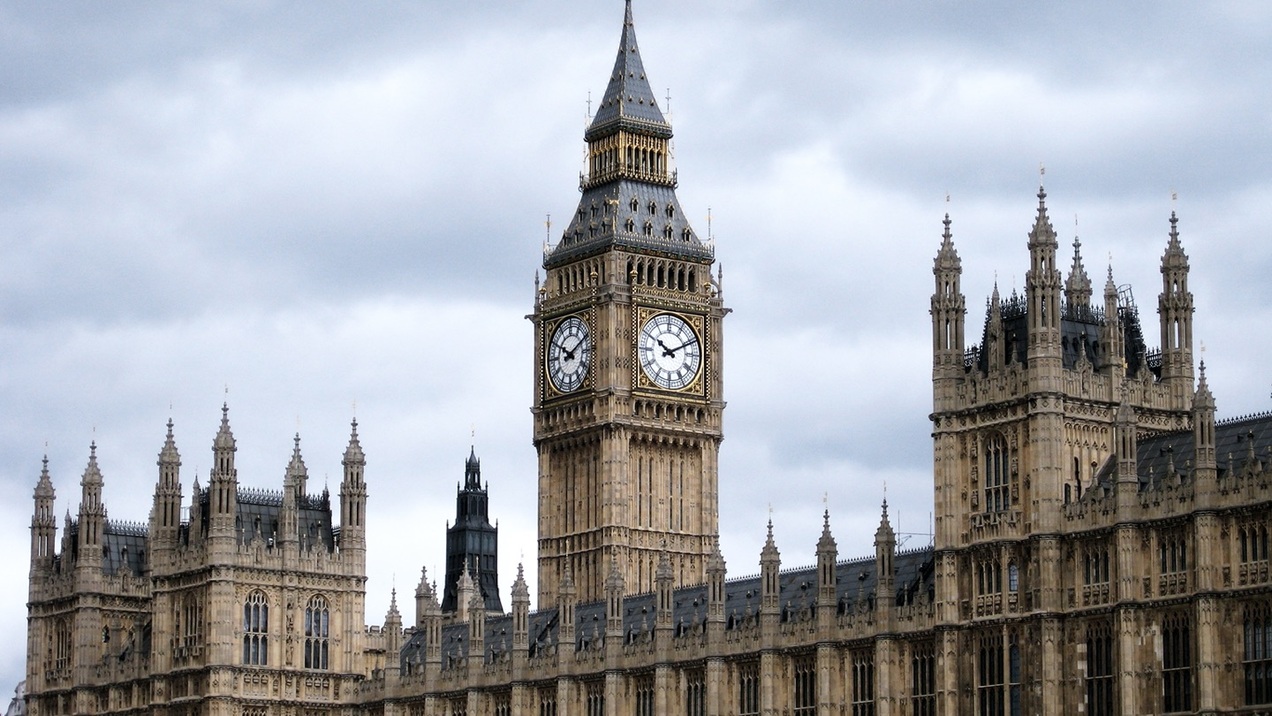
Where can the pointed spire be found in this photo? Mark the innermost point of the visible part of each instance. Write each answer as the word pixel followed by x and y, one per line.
pixel 519 587
pixel 827 541
pixel 168 454
pixel 628 101
pixel 92 474
pixel 44 486
pixel 472 471
pixel 1078 286
pixel 770 547
pixel 297 473
pixel 353 453
pixel 885 525
pixel 947 256
pixel 224 437
pixel 1203 398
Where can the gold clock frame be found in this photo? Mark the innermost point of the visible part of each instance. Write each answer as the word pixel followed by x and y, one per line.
pixel 697 322
pixel 550 326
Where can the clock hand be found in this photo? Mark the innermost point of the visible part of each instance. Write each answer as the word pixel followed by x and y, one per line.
pixel 666 351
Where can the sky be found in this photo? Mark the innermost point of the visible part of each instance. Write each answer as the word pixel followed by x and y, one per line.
pixel 313 211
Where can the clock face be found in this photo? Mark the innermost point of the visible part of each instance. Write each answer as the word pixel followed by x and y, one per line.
pixel 669 351
pixel 569 354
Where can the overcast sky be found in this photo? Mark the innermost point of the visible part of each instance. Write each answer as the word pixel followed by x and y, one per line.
pixel 327 204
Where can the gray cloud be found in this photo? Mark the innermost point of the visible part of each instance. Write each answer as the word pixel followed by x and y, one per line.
pixel 322 206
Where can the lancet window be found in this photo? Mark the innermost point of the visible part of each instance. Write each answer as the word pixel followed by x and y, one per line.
pixel 317 633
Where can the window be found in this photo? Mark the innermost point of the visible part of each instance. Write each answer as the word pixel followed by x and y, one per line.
pixel 997 468
pixel 1254 543
pixel 645 695
pixel 1176 664
pixel 923 680
pixel 61 644
pixel 989 578
pixel 863 676
pixel 989 676
pixel 1095 565
pixel 547 702
pixel 256 630
pixel 594 695
pixel 695 693
pixel 317 630
pixel 502 704
pixel 1173 554
pixel 749 689
pixel 805 691
pixel 191 623
pixel 1099 670
pixel 1256 660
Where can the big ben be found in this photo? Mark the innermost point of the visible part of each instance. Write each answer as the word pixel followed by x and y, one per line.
pixel 628 336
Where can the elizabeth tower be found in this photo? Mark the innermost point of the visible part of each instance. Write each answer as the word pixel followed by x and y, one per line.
pixel 627 402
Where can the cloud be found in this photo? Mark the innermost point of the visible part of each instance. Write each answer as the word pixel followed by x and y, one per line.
pixel 323 206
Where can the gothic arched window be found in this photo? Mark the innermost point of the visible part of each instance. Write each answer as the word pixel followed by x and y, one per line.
pixel 256 630
pixel 317 629
pixel 997 475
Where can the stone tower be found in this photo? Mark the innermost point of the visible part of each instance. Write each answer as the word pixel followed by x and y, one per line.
pixel 627 402
pixel 1046 407
pixel 472 543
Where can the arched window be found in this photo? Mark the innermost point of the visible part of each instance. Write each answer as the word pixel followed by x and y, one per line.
pixel 192 621
pixel 997 479
pixel 317 629
pixel 256 630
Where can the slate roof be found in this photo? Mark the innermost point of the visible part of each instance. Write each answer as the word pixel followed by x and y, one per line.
pixel 602 222
pixel 1235 441
pixel 856 583
pixel 628 102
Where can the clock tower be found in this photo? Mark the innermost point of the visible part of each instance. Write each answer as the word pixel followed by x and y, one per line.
pixel 627 385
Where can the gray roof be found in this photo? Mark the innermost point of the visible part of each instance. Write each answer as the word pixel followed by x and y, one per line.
pixel 856 584
pixel 607 220
pixel 628 102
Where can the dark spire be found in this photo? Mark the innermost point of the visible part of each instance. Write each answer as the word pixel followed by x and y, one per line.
pixel 472 471
pixel 629 101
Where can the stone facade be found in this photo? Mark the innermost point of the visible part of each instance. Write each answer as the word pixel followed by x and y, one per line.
pixel 1101 541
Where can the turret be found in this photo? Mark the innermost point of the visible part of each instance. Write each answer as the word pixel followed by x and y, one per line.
pixel 423 596
pixel 92 513
pixel 770 566
pixel 1042 288
pixel 1114 342
pixel 827 554
pixel 165 516
pixel 885 552
pixel 294 480
pixel 223 485
pixel 353 496
pixel 429 616
pixel 567 597
pixel 520 613
pixel 948 311
pixel 1124 430
pixel 615 586
pixel 1204 429
pixel 43 522
pixel 464 590
pixel 392 639
pixel 476 632
pixel 1077 288
pixel 1175 308
pixel 472 543
pixel 664 581
pixel 715 586
pixel 995 348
